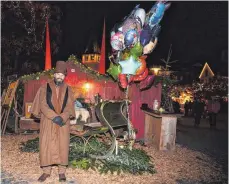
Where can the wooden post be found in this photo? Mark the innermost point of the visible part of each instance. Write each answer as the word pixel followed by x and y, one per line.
pixel 16 116
pixel 5 120
pixel 4 111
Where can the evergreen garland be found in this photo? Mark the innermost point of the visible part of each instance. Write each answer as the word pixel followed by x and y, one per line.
pixel 133 161
pixel 92 74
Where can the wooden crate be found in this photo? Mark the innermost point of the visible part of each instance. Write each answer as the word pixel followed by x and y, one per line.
pixel 160 131
pixel 28 124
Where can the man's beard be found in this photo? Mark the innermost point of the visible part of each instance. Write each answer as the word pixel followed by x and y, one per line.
pixel 58 83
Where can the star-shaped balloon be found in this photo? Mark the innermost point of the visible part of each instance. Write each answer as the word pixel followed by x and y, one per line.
pixel 130 66
pixel 114 70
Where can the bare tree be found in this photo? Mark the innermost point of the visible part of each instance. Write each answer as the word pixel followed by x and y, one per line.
pixel 23 31
pixel 166 100
pixel 167 61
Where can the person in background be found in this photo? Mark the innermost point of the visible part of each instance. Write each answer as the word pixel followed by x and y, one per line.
pixel 190 107
pixel 198 109
pixel 176 107
pixel 186 108
pixel 204 108
pixel 213 108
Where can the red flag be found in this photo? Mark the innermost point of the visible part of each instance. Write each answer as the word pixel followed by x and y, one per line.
pixel 48 63
pixel 102 57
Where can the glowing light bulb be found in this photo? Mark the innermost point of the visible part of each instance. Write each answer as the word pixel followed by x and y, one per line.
pixel 87 86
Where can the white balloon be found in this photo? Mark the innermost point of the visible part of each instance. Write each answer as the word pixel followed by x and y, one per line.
pixel 141 14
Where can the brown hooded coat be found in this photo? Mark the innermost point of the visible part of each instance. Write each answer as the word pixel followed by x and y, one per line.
pixel 53 139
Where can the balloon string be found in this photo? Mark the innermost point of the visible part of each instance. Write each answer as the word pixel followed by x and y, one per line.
pixel 127 108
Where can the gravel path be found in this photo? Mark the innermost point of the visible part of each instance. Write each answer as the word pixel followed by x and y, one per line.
pixel 199 158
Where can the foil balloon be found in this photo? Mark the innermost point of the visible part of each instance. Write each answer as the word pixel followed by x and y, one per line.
pixel 117 27
pixel 114 70
pixel 150 47
pixel 131 38
pixel 144 57
pixel 112 33
pixel 148 34
pixel 156 13
pixel 145 35
pixel 131 13
pixel 117 41
pixel 147 82
pixel 130 79
pixel 123 80
pixel 142 68
pixel 125 54
pixel 129 24
pixel 142 76
pixel 140 15
pixel 137 50
pixel 155 32
pixel 129 66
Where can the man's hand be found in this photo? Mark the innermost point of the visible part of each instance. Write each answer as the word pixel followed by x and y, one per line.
pixel 59 121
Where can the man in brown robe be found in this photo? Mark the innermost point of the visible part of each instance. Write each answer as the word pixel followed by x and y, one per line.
pixel 54 104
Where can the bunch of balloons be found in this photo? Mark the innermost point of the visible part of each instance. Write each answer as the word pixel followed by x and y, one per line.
pixel 131 40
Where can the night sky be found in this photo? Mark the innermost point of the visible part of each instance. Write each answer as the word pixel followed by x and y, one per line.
pixel 198 31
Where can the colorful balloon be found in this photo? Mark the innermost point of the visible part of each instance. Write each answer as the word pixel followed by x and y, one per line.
pixel 144 57
pixel 148 34
pixel 129 24
pixel 117 41
pixel 136 51
pixel 112 33
pixel 130 80
pixel 117 27
pixel 149 47
pixel 114 70
pixel 147 82
pixel 123 80
pixel 142 68
pixel 129 66
pixel 155 32
pixel 145 35
pixel 142 76
pixel 126 54
pixel 133 11
pixel 140 16
pixel 155 15
pixel 131 38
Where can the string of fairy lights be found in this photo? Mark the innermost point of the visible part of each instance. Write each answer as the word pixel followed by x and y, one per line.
pixel 218 86
pixel 25 11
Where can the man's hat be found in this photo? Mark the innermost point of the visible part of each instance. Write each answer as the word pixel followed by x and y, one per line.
pixel 61 67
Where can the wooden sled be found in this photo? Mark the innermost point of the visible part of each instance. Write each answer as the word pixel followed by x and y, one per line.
pixel 112 123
